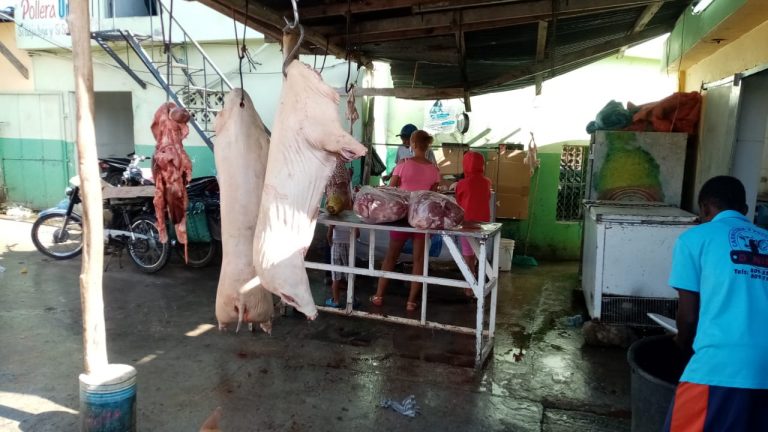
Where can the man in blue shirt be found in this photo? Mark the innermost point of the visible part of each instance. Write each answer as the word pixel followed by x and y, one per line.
pixel 720 270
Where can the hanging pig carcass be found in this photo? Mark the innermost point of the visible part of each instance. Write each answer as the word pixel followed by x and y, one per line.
pixel 242 148
pixel 171 170
pixel 307 141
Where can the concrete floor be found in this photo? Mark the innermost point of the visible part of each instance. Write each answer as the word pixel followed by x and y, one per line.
pixel 326 375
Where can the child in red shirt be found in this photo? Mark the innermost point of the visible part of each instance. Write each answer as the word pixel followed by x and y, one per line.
pixel 473 194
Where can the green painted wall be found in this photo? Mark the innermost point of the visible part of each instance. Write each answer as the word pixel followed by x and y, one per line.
pixel 36 171
pixel 203 163
pixel 548 239
pixel 690 29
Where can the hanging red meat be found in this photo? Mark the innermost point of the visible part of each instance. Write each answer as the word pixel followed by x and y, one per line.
pixel 307 140
pixel 171 169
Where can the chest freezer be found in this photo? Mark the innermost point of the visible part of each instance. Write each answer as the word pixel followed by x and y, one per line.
pixel 627 257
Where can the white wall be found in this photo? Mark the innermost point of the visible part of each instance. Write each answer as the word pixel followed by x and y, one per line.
pixel 263 82
pixel 561 113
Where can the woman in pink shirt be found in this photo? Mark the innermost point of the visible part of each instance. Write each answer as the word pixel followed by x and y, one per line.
pixel 413 174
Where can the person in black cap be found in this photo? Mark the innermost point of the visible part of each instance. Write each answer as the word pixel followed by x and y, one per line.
pixel 404 151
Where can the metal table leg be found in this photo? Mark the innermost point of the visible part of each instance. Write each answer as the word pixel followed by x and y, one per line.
pixel 351 276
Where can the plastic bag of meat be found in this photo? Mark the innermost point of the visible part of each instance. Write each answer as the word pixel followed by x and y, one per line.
pixel 431 210
pixel 381 205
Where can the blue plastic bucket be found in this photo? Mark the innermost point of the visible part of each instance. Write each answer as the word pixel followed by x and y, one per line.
pixel 108 400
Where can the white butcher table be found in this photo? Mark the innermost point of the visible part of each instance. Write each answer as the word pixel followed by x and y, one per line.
pixel 478 234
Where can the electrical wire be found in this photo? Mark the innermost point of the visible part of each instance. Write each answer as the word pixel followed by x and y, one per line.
pixel 169 54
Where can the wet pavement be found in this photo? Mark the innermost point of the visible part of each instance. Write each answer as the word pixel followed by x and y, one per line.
pixel 326 375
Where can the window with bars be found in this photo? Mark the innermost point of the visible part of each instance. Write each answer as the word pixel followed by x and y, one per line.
pixel 572 184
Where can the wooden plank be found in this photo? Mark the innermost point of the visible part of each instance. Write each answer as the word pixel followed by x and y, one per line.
pixel 113 192
pixel 435 23
pixel 603 49
pixel 92 268
pixel 340 8
pixel 432 6
pixel 461 48
pixel 364 6
pixel 648 13
pixel 408 93
pixel 14 60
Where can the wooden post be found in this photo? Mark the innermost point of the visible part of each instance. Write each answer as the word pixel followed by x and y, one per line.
pixel 368 124
pixel 91 296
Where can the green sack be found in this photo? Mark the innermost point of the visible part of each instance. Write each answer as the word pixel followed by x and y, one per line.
pixel 197 223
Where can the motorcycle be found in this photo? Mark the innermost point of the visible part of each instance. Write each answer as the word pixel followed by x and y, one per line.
pixel 203 214
pixel 133 175
pixel 129 225
pixel 125 171
pixel 112 169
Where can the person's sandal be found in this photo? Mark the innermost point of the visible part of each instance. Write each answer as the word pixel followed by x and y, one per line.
pixel 411 306
pixel 376 300
pixel 330 303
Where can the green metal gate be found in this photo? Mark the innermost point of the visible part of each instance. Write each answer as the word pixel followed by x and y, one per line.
pixel 36 159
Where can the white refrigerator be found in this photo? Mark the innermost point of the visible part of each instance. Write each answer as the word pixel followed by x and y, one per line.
pixel 627 257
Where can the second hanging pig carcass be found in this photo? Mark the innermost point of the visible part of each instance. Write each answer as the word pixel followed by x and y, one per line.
pixel 307 140
pixel 242 148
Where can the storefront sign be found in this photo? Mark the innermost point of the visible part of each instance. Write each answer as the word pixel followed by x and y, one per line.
pixel 440 118
pixel 42 24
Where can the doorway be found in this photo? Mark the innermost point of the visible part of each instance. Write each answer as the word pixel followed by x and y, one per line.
pixel 749 162
pixel 114 124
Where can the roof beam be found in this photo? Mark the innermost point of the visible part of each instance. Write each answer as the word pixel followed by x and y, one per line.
pixel 432 6
pixel 541 47
pixel 442 23
pixel 363 6
pixel 461 49
pixel 601 50
pixel 646 17
pixel 408 92
pixel 271 23
pixel 355 7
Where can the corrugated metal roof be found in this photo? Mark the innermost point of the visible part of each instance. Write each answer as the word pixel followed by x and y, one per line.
pixel 422 39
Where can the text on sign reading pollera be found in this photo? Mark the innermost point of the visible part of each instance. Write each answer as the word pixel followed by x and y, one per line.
pixel 44 10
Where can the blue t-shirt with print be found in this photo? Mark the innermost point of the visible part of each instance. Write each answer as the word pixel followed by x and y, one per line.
pixel 726 262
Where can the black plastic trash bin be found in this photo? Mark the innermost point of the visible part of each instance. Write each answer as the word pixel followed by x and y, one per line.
pixel 656 364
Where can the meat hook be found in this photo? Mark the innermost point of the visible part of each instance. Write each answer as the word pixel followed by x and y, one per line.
pixel 295 22
pixel 289 58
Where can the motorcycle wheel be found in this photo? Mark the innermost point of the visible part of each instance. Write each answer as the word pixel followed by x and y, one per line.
pixel 55 240
pixel 201 254
pixel 147 253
